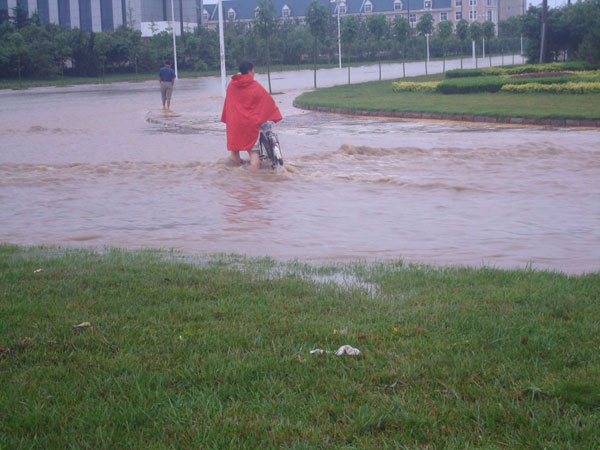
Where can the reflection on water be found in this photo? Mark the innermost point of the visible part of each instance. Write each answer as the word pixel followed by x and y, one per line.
pixel 95 167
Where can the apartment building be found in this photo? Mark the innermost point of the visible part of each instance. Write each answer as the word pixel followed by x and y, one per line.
pixel 454 10
pixel 107 15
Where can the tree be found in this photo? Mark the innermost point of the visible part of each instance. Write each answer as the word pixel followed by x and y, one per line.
pixel 103 47
pixel 401 29
pixel 462 31
pixel 349 34
pixel 488 29
pixel 508 32
pixel 377 26
pixel 62 43
pixel 266 26
pixel 444 32
pixel 425 28
pixel 20 14
pixel 317 17
pixel 18 51
pixel 475 32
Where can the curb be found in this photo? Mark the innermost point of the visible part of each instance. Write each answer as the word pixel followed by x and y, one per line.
pixel 456 117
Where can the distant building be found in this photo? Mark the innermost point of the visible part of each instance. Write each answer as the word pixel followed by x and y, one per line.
pixel 153 16
pixel 105 15
pixel 472 10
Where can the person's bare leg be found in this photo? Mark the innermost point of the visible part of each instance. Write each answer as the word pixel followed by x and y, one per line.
pixel 168 105
pixel 254 160
pixel 234 157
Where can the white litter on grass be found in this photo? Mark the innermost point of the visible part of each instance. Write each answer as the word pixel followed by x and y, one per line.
pixel 318 351
pixel 343 350
pixel 347 350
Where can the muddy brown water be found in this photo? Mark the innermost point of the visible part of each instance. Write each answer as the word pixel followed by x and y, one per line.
pixel 103 166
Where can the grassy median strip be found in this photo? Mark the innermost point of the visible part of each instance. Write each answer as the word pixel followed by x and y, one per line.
pixel 378 96
pixel 215 353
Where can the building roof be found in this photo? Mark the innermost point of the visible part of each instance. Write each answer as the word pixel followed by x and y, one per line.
pixel 244 9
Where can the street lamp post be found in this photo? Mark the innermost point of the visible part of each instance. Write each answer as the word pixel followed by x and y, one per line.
pixel 174 41
pixel 339 34
pixel 473 41
pixel 222 49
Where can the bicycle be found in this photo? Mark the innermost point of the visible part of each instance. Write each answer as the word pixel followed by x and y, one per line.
pixel 269 145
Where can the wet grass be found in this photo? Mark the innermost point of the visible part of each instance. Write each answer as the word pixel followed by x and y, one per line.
pixel 215 354
pixel 378 96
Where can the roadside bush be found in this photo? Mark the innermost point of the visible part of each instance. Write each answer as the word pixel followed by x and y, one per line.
pixel 410 86
pixel 551 67
pixel 564 88
pixel 464 73
pixel 471 85
pixel 548 80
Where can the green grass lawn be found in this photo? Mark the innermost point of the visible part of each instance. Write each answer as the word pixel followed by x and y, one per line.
pixel 215 353
pixel 378 96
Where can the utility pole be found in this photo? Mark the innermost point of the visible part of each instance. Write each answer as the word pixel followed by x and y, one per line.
pixel 473 41
pixel 181 22
pixel 339 34
pixel 222 49
pixel 543 37
pixel 181 28
pixel 174 40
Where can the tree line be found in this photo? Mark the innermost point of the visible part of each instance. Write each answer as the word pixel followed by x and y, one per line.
pixel 31 50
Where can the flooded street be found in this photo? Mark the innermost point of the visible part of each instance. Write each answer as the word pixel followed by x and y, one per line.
pixel 104 166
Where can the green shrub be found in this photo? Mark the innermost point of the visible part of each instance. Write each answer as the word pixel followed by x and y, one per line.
pixel 550 67
pixel 411 86
pixel 464 73
pixel 563 88
pixel 544 80
pixel 471 85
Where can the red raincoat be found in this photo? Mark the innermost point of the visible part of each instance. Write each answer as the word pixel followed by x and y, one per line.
pixel 247 106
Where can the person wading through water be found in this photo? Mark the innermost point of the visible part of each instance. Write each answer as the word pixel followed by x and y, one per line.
pixel 247 106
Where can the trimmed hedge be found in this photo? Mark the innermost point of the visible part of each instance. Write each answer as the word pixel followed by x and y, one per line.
pixel 521 69
pixel 464 73
pixel 412 86
pixel 564 88
pixel 471 85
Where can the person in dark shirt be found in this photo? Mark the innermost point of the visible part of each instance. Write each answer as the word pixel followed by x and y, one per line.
pixel 166 78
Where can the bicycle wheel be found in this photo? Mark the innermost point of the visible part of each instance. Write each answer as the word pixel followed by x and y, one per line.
pixel 275 147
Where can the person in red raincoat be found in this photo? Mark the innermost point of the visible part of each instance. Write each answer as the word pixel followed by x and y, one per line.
pixel 247 106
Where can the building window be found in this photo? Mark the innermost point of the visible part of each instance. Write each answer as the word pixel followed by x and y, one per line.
pixel 285 11
pixel 368 7
pixel 343 8
pixel 231 14
pixel 457 2
pixel 490 2
pixel 490 15
pixel 64 14
pixel 106 15
pixel 473 15
pixel 472 2
pixel 427 4
pixel 85 15
pixel 458 15
pixel 397 5
pixel 444 16
pixel 412 18
pixel 43 11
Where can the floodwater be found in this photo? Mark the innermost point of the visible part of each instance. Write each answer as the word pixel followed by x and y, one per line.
pixel 103 166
